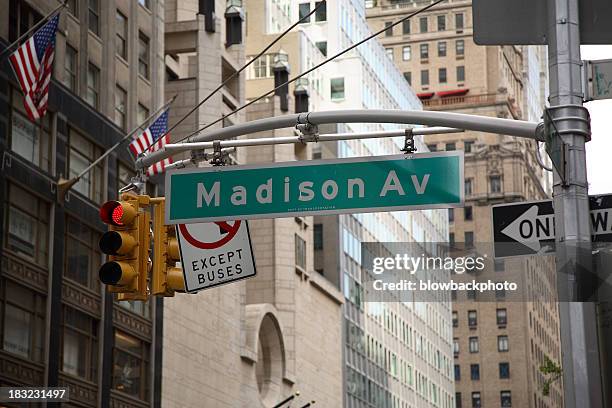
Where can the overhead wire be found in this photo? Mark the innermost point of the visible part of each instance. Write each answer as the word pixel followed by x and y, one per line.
pixel 357 44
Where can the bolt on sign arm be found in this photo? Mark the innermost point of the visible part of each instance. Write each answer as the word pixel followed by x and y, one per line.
pixel 509 127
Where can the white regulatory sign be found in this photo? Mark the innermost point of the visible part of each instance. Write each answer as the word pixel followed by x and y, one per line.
pixel 215 253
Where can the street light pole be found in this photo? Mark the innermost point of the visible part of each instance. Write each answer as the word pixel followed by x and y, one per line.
pixel 579 344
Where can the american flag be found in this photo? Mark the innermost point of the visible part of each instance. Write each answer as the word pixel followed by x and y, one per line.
pixel 160 166
pixel 141 143
pixel 33 64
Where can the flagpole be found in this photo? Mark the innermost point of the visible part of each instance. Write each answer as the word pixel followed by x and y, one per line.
pixel 64 185
pixel 33 28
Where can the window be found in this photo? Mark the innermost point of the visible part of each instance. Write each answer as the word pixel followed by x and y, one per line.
pixel 475 372
pixel 502 343
pixel 471 294
pixel 30 140
pixel 145 3
pixel 499 265
pixel 120 107
pixel 27 226
pixel 453 294
pixel 467 213
pixel 458 400
pixel 303 12
pixel 472 318
pixel 468 186
pixel 408 77
pixel 469 239
pixel 80 345
pixel 456 345
pixel 441 23
pixel 300 252
pixel 475 400
pixel 389 52
pixel 143 55
pixel 442 80
pixel 455 319
pixel 423 24
pixel 82 254
pixel 505 398
pixel 93 85
pixel 406 27
pixel 82 154
pixel 388 29
pixel 424 77
pixel 500 293
pixel 94 16
pixel 442 49
pixel 22 313
pixel 318 236
pixel 504 370
pixel 70 69
pixel 131 366
pixel 459 21
pixel 124 175
pixel 459 47
pixel 407 53
pixel 337 88
pixel 451 215
pixel 321 14
pixel 424 51
pixel 461 73
pixel 473 344
pixel 467 146
pixel 143 114
pixel 495 183
pixel 322 46
pixel 432 147
pixel 262 67
pixel 121 30
pixel 451 238
pixel 502 317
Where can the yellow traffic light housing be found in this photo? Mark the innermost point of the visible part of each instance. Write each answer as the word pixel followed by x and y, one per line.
pixel 166 278
pixel 127 245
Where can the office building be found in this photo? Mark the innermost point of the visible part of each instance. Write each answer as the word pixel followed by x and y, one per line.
pixel 499 345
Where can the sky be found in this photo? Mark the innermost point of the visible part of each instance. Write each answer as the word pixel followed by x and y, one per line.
pixel 599 149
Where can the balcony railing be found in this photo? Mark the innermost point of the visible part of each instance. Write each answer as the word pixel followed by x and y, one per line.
pixel 481 99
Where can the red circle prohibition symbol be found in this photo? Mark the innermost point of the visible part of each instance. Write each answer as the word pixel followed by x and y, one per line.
pixel 231 233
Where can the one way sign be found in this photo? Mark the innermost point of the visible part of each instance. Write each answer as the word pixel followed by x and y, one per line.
pixel 528 228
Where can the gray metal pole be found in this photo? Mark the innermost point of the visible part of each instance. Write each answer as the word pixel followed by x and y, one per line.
pixel 579 345
pixel 430 118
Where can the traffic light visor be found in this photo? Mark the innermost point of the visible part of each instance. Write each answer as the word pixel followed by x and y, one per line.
pixel 116 273
pixel 117 243
pixel 118 213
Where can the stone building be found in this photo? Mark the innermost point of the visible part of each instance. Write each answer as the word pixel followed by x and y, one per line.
pixel 499 345
pixel 58 325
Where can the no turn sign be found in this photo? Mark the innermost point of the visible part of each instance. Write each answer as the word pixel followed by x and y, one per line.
pixel 215 253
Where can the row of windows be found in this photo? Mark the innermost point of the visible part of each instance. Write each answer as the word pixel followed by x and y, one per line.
pixel 504 371
pixel 474 345
pixel 319 15
pixel 22 326
pixel 424 50
pixel 505 399
pixel 472 318
pixel 424 25
pixel 442 76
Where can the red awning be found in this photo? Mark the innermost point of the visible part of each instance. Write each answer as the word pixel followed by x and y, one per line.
pixel 425 95
pixel 455 92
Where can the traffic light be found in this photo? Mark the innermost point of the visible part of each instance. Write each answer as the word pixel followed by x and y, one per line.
pixel 166 278
pixel 127 245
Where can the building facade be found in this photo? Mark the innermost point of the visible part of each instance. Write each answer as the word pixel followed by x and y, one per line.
pixel 394 354
pixel 499 345
pixel 250 343
pixel 58 325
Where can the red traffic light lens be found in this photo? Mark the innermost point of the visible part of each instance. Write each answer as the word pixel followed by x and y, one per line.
pixel 117 215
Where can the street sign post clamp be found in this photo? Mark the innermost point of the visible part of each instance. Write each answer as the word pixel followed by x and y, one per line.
pixel 308 132
pixel 409 147
pixel 217 159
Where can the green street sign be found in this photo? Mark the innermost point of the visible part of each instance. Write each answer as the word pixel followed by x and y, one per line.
pixel 339 186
